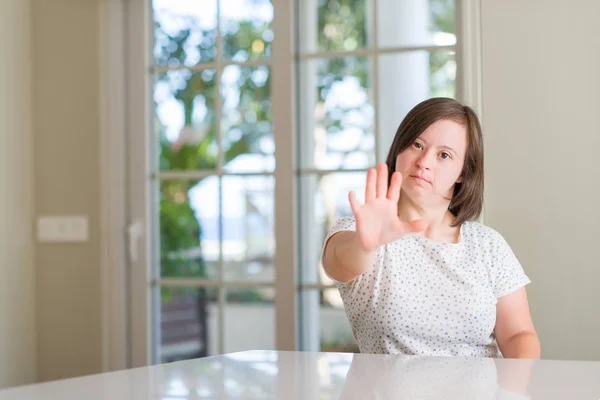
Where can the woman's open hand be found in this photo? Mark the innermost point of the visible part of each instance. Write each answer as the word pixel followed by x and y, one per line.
pixel 377 221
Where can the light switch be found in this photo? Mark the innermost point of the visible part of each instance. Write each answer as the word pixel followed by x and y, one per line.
pixel 63 228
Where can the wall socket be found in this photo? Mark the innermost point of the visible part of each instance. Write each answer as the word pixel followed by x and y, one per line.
pixel 63 228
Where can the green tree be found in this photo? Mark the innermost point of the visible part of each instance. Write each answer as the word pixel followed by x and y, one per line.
pixel 179 228
pixel 180 231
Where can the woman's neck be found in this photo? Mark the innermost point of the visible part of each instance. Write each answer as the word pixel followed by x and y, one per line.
pixel 438 219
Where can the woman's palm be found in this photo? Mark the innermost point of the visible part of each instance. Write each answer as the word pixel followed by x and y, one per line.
pixel 377 221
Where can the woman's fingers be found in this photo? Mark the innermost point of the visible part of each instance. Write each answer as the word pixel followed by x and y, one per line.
pixel 395 185
pixel 370 189
pixel 353 203
pixel 382 180
pixel 415 226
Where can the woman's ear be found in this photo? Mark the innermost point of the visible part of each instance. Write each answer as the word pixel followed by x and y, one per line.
pixel 459 180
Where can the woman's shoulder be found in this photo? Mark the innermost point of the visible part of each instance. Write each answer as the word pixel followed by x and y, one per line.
pixel 481 233
pixel 343 223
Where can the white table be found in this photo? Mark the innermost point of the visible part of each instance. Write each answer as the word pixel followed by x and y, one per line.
pixel 301 375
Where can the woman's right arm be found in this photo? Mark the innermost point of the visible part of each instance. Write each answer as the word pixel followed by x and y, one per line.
pixel 344 258
pixel 349 254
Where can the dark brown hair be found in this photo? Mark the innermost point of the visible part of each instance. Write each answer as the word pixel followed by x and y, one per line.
pixel 467 199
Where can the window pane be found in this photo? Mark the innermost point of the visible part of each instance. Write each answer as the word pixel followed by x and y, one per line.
pixel 248 230
pixel 322 200
pixel 324 322
pixel 188 323
pixel 185 119
pixel 249 317
pixel 247 135
pixel 336 114
pixel 336 333
pixel 415 23
pixel 442 74
pixel 189 228
pixel 246 29
pixel 334 25
pixel 409 79
pixel 184 32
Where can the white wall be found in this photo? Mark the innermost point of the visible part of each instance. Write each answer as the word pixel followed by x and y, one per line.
pixel 541 86
pixel 50 309
pixel 17 296
pixel 66 85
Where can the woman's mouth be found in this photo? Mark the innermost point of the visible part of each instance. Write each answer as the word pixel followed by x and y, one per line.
pixel 420 179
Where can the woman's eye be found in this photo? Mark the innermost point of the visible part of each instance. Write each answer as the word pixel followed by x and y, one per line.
pixel 418 145
pixel 444 155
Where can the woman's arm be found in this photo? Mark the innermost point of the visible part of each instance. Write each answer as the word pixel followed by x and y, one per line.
pixel 345 259
pixel 352 253
pixel 515 333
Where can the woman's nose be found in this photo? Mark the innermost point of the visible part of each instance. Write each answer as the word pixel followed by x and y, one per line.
pixel 425 161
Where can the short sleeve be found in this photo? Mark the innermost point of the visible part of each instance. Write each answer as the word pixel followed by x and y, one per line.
pixel 507 273
pixel 340 224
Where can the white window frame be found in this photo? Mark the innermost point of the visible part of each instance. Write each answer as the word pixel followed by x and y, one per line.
pixel 114 304
pixel 125 191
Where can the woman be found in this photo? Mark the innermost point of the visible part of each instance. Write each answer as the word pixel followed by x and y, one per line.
pixel 417 274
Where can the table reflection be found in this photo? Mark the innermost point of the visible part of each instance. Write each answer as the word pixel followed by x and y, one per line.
pixel 304 375
pixel 297 375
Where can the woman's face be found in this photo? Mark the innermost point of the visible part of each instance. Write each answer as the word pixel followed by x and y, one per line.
pixel 433 163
